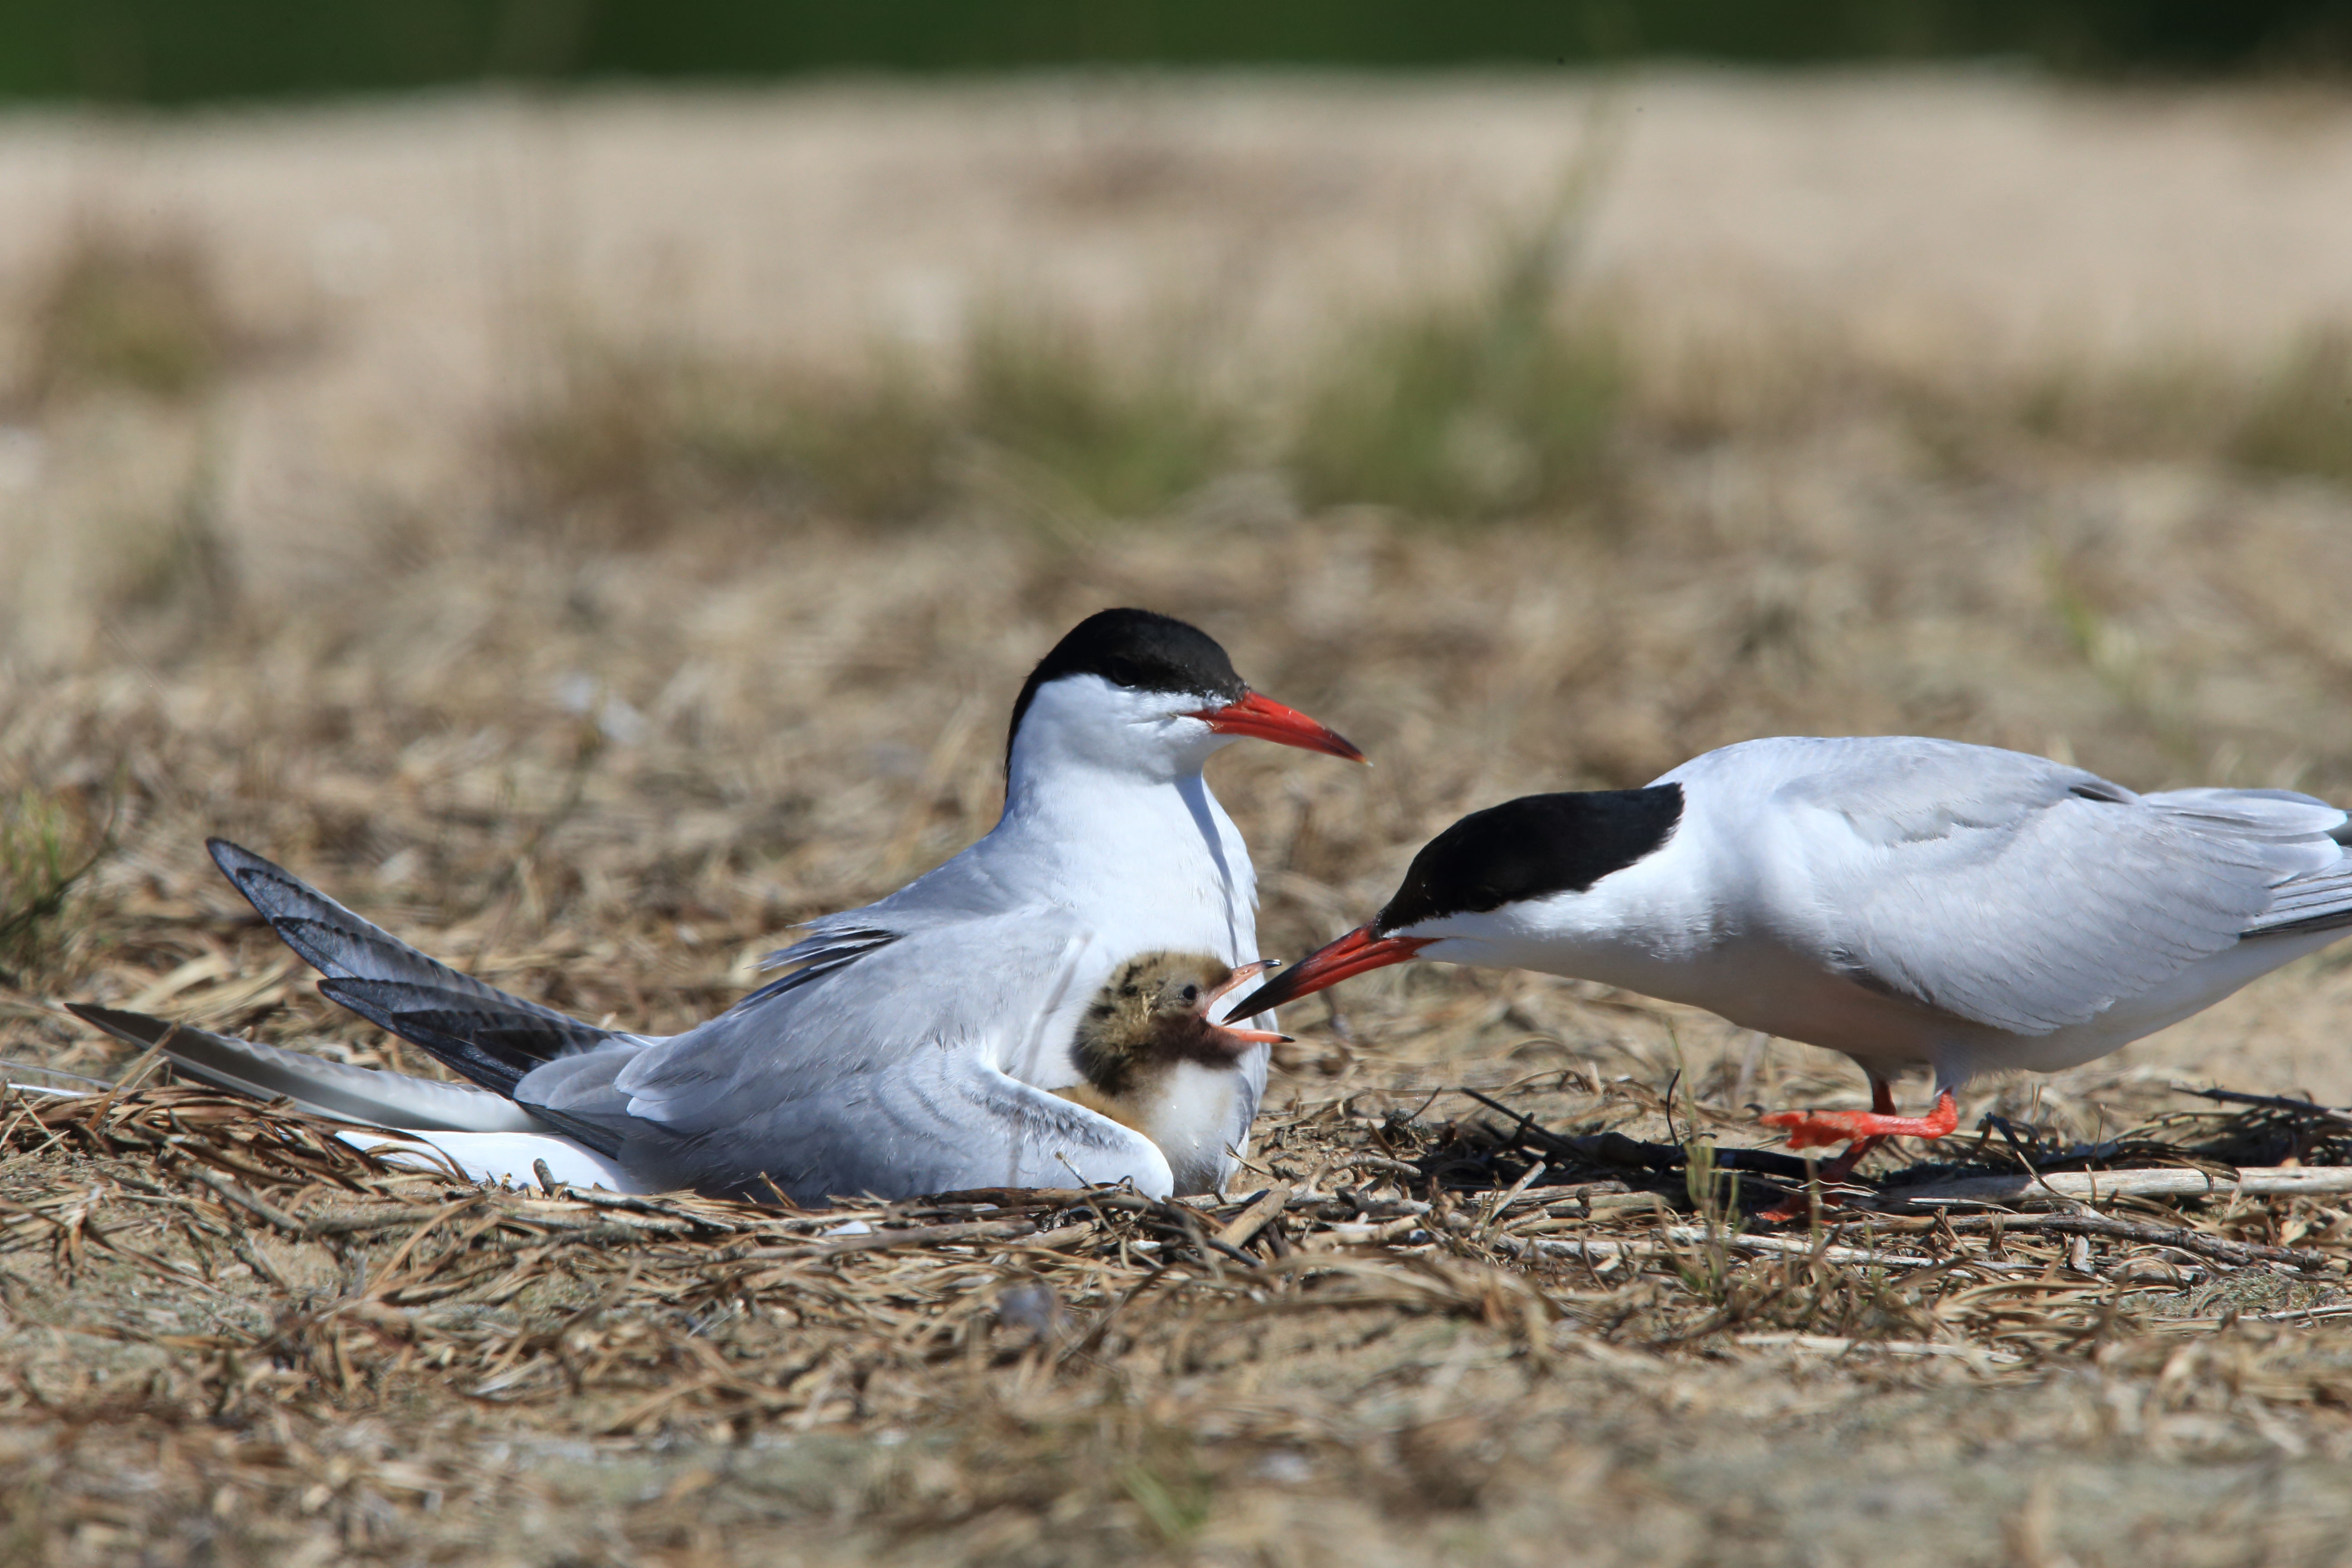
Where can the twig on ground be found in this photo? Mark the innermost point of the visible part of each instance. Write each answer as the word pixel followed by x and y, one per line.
pixel 2090 1187
pixel 2274 1102
pixel 2219 1248
pixel 260 1207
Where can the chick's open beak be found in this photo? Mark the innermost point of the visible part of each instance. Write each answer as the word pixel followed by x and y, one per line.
pixel 1361 949
pixel 1267 720
pixel 1240 1039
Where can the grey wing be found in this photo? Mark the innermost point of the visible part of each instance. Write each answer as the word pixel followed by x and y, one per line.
pixel 2028 896
pixel 886 1076
pixel 2319 896
pixel 987 982
pixel 934 1115
pixel 944 1120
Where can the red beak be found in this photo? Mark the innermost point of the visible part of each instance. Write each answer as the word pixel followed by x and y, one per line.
pixel 1270 721
pixel 1353 953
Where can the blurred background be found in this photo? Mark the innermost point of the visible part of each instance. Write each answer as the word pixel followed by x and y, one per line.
pixel 582 482
pixel 153 51
pixel 585 480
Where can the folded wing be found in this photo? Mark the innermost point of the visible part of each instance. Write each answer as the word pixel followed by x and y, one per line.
pixel 879 1065
pixel 2028 896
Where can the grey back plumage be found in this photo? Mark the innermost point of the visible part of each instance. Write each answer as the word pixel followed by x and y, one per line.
pixel 2023 894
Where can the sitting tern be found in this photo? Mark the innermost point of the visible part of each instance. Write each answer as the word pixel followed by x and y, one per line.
pixel 1906 902
pixel 915 1044
pixel 1156 1061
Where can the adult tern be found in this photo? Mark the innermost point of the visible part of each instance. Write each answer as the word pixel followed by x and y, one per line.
pixel 1154 1055
pixel 1908 902
pixel 915 1044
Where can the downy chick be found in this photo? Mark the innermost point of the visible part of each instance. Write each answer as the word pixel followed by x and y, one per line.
pixel 1155 1061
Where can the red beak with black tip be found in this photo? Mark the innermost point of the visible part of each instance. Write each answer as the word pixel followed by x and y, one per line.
pixel 1267 720
pixel 1361 949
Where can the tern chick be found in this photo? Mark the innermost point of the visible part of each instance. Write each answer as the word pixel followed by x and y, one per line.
pixel 1155 1059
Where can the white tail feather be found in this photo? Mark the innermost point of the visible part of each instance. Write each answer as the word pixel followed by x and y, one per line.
pixel 330 1088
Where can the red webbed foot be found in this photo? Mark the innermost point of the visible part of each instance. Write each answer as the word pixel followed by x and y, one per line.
pixel 1816 1129
pixel 1866 1128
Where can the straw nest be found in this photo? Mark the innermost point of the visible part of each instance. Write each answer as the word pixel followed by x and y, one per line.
pixel 222 1306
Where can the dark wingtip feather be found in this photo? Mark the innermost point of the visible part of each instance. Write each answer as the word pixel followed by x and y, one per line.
pixel 122 1025
pixel 489 1036
pixel 493 1044
pixel 233 858
pixel 480 1060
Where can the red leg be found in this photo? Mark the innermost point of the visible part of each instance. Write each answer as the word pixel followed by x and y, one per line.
pixel 1867 1129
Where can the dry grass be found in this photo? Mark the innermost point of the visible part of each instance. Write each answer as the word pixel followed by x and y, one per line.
pixel 2291 416
pixel 123 310
pixel 249 1342
pixel 712 642
pixel 1499 402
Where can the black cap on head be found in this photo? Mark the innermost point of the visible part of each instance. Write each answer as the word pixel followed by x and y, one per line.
pixel 1529 847
pixel 1139 649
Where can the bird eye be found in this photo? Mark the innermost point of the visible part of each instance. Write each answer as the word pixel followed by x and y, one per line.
pixel 1123 672
pixel 1191 993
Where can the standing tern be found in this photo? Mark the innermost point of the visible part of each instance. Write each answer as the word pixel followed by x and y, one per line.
pixel 1155 1059
pixel 915 1044
pixel 1908 902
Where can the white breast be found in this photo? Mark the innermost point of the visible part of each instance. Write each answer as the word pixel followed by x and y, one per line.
pixel 1192 1119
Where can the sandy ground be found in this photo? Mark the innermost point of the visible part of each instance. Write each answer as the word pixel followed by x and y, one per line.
pixel 314 605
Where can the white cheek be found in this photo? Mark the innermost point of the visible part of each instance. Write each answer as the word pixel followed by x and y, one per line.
pixel 1184 731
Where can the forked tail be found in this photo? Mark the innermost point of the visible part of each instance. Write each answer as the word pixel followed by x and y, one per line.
pixel 484 1135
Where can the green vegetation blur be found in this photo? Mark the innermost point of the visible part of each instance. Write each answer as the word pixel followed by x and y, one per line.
pixel 191 51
